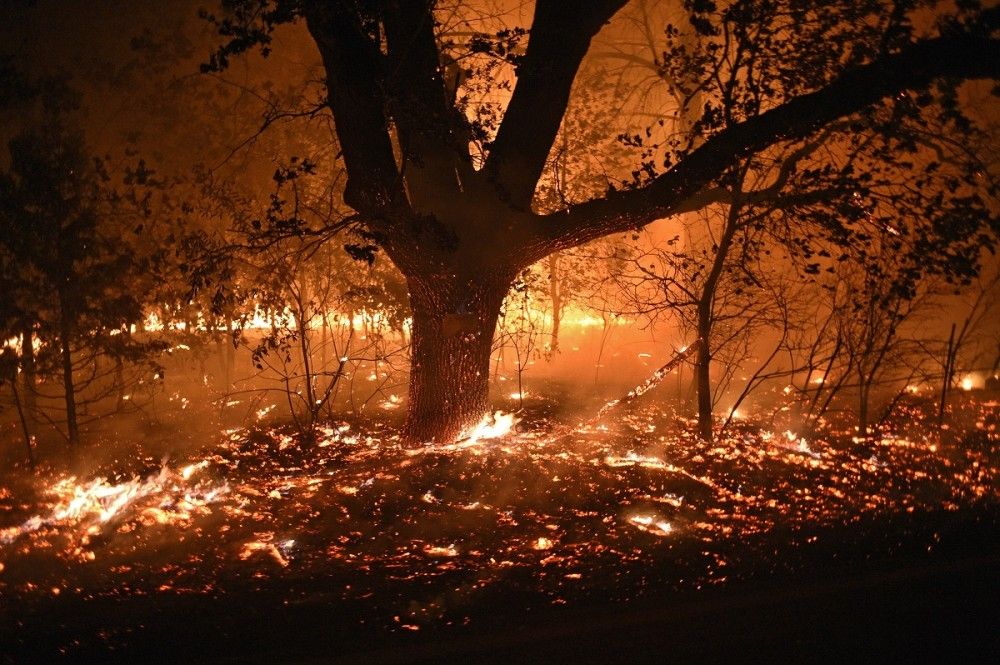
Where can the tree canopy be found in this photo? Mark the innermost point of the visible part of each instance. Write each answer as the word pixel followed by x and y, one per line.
pixel 747 78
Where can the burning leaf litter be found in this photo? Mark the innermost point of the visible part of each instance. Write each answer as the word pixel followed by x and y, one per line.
pixel 559 513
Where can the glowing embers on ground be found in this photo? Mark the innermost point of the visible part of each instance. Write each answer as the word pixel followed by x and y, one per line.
pixel 492 427
pixel 265 544
pixel 166 497
pixel 612 510
pixel 652 524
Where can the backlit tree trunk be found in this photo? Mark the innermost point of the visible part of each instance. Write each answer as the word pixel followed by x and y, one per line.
pixel 405 147
pixel 28 372
pixel 706 318
pixel 453 326
pixel 703 377
pixel 72 428
pixel 555 292
pixel 863 402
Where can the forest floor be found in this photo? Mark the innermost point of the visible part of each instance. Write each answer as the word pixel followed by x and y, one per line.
pixel 628 539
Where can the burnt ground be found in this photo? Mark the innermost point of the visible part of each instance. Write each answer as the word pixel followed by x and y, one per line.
pixel 916 607
pixel 631 541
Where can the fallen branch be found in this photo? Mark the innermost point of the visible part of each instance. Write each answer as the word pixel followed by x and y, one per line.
pixel 649 383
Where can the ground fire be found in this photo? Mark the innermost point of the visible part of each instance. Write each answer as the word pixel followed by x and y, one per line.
pixel 499 331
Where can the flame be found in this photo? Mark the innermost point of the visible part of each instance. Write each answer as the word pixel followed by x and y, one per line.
pixel 426 531
pixel 392 403
pixel 634 459
pixel 494 426
pixel 436 551
pixel 651 524
pixel 264 544
pixel 967 383
pixel 189 470
pixel 92 504
pixel 491 427
pixel 262 413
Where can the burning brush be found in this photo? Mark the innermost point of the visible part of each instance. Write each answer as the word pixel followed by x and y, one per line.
pixel 88 506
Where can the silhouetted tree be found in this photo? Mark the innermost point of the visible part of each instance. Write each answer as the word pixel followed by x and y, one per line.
pixel 74 280
pixel 462 229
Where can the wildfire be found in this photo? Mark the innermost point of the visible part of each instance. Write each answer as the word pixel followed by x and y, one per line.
pixel 492 426
pixel 642 503
pixel 264 544
pixel 632 458
pixel 90 505
pixel 651 524
pixel 438 551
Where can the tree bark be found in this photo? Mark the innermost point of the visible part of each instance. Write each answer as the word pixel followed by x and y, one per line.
pixel 453 325
pixel 555 292
pixel 863 401
pixel 24 424
pixel 426 212
pixel 72 428
pixel 703 375
pixel 28 372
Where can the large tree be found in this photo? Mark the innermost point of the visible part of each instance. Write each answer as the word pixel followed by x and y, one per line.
pixel 461 228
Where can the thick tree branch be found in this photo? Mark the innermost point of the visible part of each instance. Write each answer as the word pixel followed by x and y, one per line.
pixel 354 78
pixel 560 37
pixel 430 131
pixel 960 57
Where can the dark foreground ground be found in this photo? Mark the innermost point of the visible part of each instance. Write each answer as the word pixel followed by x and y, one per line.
pixel 920 607
pixel 624 541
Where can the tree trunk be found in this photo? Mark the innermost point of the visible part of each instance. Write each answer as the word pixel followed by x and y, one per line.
pixel 72 429
pixel 863 412
pixel 28 372
pixel 706 314
pixel 119 385
pixel 453 325
pixel 703 378
pixel 24 424
pixel 865 382
pixel 555 292
pixel 949 368
pixel 229 359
